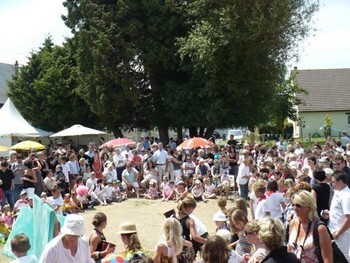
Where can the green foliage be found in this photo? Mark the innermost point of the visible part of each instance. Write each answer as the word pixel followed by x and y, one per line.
pixel 241 47
pixel 44 91
pixel 327 125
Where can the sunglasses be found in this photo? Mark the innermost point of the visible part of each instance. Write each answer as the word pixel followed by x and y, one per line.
pixel 297 205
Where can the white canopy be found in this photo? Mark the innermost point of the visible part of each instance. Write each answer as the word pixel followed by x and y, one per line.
pixel 77 130
pixel 14 124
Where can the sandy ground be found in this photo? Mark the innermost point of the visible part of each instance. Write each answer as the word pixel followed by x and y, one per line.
pixel 148 217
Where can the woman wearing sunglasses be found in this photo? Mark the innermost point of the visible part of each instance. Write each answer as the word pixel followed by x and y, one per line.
pixel 301 241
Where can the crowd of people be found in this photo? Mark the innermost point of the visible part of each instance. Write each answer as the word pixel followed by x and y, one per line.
pixel 293 201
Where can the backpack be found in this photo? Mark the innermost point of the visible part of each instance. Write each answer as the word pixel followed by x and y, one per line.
pixel 338 256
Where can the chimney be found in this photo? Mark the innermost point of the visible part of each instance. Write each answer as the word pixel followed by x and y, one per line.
pixel 16 69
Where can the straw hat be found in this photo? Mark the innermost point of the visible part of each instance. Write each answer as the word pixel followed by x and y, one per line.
pixel 127 228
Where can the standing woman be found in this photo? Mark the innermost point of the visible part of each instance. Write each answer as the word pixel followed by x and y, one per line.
pixel 186 207
pixel 243 177
pixel 172 242
pixel 322 192
pixel 29 179
pixel 233 159
pixel 97 164
pixel 97 238
pixel 301 227
pixel 44 167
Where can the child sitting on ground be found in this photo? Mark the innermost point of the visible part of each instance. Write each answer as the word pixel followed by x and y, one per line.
pixel 169 191
pixel 152 192
pixel 119 193
pixel 181 191
pixel 20 246
pixel 68 207
pixel 21 202
pixel 7 215
pixel 209 189
pixel 197 191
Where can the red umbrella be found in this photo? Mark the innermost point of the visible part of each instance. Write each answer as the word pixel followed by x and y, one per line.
pixel 118 143
pixel 194 142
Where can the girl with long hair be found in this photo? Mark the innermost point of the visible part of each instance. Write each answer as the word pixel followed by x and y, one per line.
pixel 172 242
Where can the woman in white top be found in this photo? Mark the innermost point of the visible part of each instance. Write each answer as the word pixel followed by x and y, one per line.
pixel 243 177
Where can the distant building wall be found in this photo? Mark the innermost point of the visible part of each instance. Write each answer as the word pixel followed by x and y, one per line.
pixel 313 121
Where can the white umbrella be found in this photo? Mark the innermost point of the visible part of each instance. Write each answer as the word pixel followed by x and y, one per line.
pixel 77 130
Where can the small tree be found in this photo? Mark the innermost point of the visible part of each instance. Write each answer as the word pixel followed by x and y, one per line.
pixel 327 126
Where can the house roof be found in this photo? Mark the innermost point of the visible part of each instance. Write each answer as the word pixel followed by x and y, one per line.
pixel 328 89
pixel 6 73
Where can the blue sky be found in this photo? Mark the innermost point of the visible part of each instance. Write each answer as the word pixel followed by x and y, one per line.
pixel 26 23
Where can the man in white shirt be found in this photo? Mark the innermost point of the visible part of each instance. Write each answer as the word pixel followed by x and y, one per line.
pixel 71 245
pixel 339 213
pixel 160 158
pixel 298 149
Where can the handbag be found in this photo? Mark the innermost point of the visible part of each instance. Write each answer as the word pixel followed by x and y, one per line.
pixel 338 256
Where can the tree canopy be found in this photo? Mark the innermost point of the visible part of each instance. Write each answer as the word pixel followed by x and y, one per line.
pixel 44 92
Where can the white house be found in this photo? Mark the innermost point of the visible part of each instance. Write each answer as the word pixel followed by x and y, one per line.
pixel 7 71
pixel 328 93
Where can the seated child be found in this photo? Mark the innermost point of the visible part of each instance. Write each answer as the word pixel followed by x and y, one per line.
pixel 197 191
pixel 21 202
pixel 181 191
pixel 119 193
pixel 152 192
pixel 7 215
pixel 20 246
pixel 4 228
pixel 209 189
pixel 68 207
pixel 169 191
pixel 225 184
pixel 109 191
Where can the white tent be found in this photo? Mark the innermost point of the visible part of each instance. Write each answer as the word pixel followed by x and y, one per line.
pixel 77 130
pixel 14 124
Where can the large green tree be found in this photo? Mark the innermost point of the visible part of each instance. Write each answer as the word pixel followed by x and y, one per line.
pixel 242 48
pixel 44 92
pixel 170 63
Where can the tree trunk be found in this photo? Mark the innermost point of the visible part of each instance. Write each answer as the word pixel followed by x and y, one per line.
pixel 209 132
pixel 179 133
pixel 193 132
pixel 163 135
pixel 117 132
pixel 201 132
